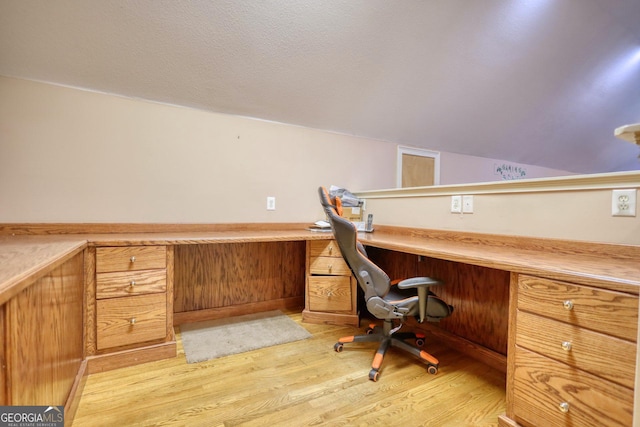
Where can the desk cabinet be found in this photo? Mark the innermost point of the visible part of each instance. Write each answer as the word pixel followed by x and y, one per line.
pixel 572 362
pixel 330 291
pixel 132 301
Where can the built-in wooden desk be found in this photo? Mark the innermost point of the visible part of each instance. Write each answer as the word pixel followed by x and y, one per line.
pixel 48 280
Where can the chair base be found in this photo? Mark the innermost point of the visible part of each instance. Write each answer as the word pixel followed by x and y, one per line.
pixel 387 338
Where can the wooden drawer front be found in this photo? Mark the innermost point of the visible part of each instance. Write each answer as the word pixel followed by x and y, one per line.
pixel 613 313
pixel 128 258
pixel 114 320
pixel 329 266
pixel 327 293
pixel 324 248
pixel 602 355
pixel 125 283
pixel 542 385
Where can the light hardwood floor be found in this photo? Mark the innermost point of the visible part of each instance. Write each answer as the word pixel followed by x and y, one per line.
pixel 305 383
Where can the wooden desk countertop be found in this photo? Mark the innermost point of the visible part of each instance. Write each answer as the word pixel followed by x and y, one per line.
pixel 615 267
pixel 25 258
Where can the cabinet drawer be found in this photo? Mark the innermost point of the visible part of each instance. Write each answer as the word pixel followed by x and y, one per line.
pixel 128 258
pixel 609 312
pixel 329 266
pixel 124 321
pixel 125 283
pixel 327 293
pixel 326 248
pixel 542 385
pixel 605 356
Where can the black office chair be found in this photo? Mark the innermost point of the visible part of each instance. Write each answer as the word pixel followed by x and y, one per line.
pixel 387 302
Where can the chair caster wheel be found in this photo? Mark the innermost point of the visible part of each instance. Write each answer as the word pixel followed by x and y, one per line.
pixel 338 347
pixel 373 375
pixel 369 331
pixel 419 342
pixel 432 369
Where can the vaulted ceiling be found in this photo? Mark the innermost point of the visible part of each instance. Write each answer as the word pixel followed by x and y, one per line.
pixel 539 82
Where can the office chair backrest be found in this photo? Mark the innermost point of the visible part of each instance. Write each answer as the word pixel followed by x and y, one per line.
pixel 370 277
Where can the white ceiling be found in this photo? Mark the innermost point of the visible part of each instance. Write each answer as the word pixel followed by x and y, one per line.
pixel 540 82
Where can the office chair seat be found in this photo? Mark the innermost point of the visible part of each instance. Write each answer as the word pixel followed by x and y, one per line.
pixel 392 304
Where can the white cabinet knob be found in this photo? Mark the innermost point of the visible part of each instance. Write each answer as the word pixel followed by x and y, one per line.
pixel 568 304
pixel 564 407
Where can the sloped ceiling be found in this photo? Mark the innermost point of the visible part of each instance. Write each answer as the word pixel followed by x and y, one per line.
pixel 540 82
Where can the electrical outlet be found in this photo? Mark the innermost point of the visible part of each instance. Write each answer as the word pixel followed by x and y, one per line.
pixel 271 203
pixel 456 204
pixel 623 202
pixel 467 204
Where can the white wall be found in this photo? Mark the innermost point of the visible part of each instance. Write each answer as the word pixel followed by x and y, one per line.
pixel 68 155
pixel 462 169
pixel 572 208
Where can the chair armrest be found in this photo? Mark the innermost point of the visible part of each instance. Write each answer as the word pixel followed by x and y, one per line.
pixel 422 285
pixel 417 282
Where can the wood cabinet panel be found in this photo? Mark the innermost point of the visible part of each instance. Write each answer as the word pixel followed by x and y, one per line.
pixel 44 337
pixel 330 293
pixel 128 258
pixel 131 320
pixel 609 312
pixel 605 356
pixel 223 275
pixel 124 283
pixel 542 385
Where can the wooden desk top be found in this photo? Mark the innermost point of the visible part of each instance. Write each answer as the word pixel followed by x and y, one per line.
pixel 25 258
pixel 612 266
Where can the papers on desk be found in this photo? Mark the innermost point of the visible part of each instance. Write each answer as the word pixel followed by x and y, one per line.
pixel 321 226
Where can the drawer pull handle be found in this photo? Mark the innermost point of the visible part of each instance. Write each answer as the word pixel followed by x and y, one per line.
pixel 568 304
pixel 566 345
pixel 132 283
pixel 132 321
pixel 564 407
pixel 330 249
pixel 132 259
pixel 330 268
pixel 330 293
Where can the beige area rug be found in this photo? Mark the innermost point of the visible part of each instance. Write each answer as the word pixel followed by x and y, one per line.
pixel 217 338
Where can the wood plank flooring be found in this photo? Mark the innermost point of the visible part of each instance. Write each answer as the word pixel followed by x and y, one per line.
pixel 305 383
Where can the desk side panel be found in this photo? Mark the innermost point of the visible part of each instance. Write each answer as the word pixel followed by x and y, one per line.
pixel 211 276
pixel 44 337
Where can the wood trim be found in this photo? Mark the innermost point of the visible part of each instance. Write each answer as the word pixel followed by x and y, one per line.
pixel 475 351
pixel 90 347
pixel 170 270
pixel 73 401
pixel 326 318
pixel 504 421
pixel 131 357
pixel 4 386
pixel 511 349
pixel 607 250
pixel 236 310
pixel 125 228
pixel 564 183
